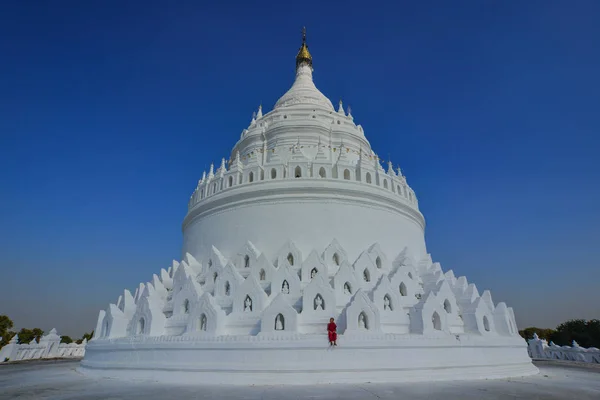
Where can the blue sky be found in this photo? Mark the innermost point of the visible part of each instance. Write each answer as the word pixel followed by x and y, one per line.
pixel 110 112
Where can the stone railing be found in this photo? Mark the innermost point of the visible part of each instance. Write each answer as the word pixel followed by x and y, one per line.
pixel 239 173
pixel 49 346
pixel 539 348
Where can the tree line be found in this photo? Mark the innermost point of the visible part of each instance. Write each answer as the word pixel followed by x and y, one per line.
pixel 27 335
pixel 585 333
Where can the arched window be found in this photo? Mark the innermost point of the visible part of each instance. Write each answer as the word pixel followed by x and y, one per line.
pixel 436 321
pixel 279 322
pixel 378 262
pixel 285 287
pixel 368 177
pixel 141 326
pixel 399 191
pixel 246 261
pixel 202 194
pixel 298 172
pixel 402 289
pixel 486 323
pixel 322 172
pixel 366 275
pixel 203 322
pixel 230 181
pixel 410 196
pixel 347 288
pixel 336 259
pixel 227 288
pixel 262 175
pixel 273 173
pixel 447 306
pixel 262 275
pixel 319 302
pixel 247 304
pixel 186 306
pixel 363 321
pixel 240 179
pixel 347 174
pixel 313 273
pixel 214 187
pixel 251 177
pixel 290 259
pixel 385 184
pixel 387 303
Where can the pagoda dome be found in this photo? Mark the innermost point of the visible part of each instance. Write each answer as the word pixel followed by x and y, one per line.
pixel 303 224
pixel 304 91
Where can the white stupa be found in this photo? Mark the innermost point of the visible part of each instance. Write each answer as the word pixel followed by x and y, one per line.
pixel 300 225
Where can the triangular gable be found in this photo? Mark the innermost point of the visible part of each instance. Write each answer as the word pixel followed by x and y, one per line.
pixel 167 281
pixel 345 274
pixel 326 303
pixel 366 262
pixel 194 264
pixel 250 288
pixel 376 253
pixel 334 254
pixel 382 289
pixel 247 250
pixel 312 262
pixel 263 263
pixel 362 314
pixel 283 274
pixel 216 259
pixel 289 255
pixel 228 275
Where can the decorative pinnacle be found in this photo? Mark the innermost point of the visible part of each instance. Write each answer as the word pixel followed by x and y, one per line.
pixel 303 56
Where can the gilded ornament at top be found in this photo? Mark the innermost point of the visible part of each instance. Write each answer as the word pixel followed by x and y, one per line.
pixel 303 54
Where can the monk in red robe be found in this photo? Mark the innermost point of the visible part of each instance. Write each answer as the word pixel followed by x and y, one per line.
pixel 331 331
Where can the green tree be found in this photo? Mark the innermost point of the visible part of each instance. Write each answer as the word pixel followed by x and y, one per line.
pixel 87 336
pixel 27 335
pixel 5 333
pixel 66 339
pixel 527 333
pixel 585 333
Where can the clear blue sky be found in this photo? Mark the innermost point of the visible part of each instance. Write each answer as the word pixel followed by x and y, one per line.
pixel 110 111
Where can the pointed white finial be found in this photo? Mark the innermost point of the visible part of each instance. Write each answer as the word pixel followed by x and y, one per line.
pixel 211 171
pixel 203 176
pixel 341 108
pixel 223 165
pixel 399 171
pixel 349 112
pixel 253 118
pixel 259 114
pixel 390 167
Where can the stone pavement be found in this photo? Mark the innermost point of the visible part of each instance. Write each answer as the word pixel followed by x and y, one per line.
pixel 59 380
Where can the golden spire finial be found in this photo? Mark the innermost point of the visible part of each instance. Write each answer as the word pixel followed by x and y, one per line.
pixel 303 54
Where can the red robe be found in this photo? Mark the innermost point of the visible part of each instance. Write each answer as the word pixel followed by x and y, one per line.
pixel 331 330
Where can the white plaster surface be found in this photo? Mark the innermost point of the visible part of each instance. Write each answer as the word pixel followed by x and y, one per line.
pixel 303 198
pixel 60 380
pixel 539 348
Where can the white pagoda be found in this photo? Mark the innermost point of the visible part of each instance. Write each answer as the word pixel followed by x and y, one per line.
pixel 302 223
